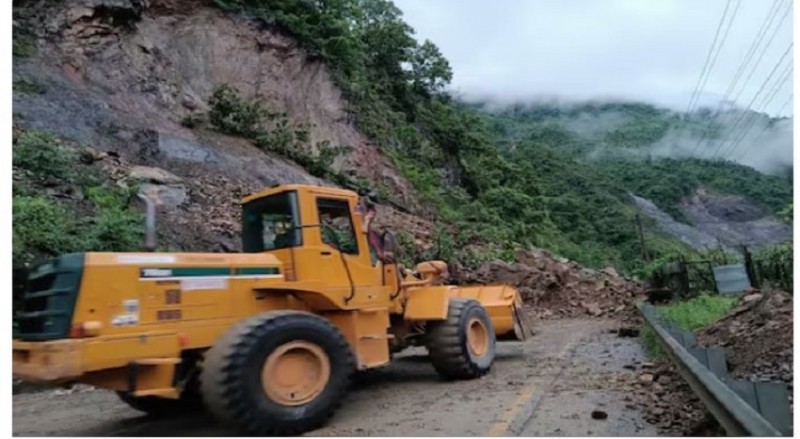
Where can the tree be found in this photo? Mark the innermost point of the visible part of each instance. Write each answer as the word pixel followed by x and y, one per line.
pixel 430 70
pixel 787 213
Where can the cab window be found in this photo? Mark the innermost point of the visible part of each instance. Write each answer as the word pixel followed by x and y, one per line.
pixel 336 225
pixel 271 223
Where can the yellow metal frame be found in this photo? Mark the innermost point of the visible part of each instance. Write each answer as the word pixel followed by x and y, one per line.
pixel 133 314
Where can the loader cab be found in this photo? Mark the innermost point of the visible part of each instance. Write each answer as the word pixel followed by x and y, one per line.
pixel 317 233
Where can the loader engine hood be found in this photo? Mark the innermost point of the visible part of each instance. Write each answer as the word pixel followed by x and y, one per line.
pixel 47 302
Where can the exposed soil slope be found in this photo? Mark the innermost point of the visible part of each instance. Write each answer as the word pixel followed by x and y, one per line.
pixel 120 76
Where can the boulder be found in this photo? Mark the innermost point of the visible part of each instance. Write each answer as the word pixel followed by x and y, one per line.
pixel 153 175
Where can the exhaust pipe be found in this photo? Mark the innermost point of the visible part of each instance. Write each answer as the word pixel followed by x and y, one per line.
pixel 149 224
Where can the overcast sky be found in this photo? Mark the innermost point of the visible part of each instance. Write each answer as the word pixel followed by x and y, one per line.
pixel 644 50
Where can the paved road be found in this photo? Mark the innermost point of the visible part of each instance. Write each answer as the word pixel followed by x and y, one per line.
pixel 547 386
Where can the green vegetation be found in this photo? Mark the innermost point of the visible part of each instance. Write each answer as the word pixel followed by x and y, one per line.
pixel 614 138
pixel 499 180
pixel 42 157
pixel 41 227
pixel 688 315
pixel 774 266
pixel 698 312
pixel 581 128
pixel 230 113
pixel 666 181
pixel 22 46
pixel 787 213
pixel 29 87
pixel 499 197
pixel 90 215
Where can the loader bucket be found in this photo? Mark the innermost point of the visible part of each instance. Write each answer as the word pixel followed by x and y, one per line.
pixel 504 305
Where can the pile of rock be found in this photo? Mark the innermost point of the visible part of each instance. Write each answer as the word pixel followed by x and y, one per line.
pixel 669 403
pixel 554 287
pixel 757 336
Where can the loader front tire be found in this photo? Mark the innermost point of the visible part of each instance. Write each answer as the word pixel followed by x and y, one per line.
pixel 463 345
pixel 279 373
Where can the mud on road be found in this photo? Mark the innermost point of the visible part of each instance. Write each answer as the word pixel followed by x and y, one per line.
pixel 567 380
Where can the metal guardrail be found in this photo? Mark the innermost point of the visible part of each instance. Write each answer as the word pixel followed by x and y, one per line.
pixel 735 415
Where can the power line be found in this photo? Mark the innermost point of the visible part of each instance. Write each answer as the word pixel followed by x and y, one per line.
pixel 773 12
pixel 783 106
pixel 750 105
pixel 719 49
pixel 776 87
pixel 754 117
pixel 780 110
pixel 768 19
pixel 764 50
pixel 709 54
pixel 778 84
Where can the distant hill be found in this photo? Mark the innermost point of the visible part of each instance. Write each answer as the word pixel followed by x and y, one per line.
pixel 628 130
pixel 664 156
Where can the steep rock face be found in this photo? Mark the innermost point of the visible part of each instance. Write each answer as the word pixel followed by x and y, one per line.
pixel 689 235
pixel 734 220
pixel 730 220
pixel 120 75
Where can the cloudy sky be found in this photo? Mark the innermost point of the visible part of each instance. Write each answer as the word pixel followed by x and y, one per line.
pixel 647 50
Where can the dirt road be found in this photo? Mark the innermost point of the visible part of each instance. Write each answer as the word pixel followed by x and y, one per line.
pixel 547 386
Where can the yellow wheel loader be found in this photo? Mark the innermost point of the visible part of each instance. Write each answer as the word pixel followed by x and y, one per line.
pixel 266 339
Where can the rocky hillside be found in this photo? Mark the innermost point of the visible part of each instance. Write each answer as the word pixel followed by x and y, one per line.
pixel 726 220
pixel 123 77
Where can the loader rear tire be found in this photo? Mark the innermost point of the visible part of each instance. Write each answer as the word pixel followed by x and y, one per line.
pixel 463 345
pixel 279 373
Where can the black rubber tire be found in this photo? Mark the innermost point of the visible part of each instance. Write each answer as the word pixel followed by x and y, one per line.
pixel 446 342
pixel 230 380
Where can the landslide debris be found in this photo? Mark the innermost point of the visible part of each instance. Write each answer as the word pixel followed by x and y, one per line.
pixel 554 287
pixel 757 335
pixel 668 402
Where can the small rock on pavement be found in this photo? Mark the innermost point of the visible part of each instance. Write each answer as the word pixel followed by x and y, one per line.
pixel 664 380
pixel 599 414
pixel 646 378
pixel 628 332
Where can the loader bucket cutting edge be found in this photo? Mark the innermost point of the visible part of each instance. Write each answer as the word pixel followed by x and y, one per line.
pixel 504 306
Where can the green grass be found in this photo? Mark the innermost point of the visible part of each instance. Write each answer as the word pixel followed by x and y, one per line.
pixel 688 315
